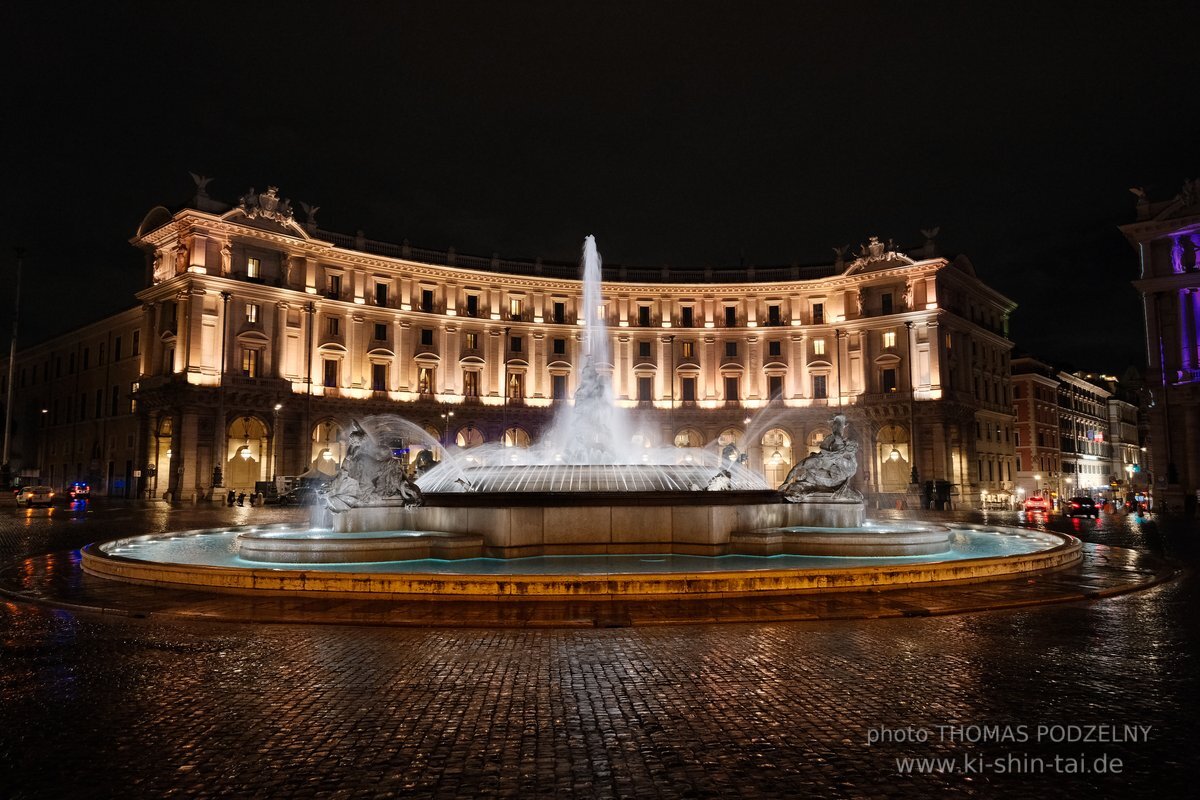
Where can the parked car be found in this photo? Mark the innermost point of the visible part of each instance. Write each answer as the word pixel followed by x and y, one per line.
pixel 301 496
pixel 1081 507
pixel 35 496
pixel 79 491
pixel 1037 504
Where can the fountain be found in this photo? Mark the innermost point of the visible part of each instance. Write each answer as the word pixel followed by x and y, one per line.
pixel 580 513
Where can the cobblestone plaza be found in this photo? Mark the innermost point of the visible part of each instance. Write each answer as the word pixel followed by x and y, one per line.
pixel 97 706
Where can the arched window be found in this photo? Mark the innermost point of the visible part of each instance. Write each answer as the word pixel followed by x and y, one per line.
pixel 777 455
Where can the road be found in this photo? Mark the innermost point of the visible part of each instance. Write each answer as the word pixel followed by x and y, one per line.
pixel 98 707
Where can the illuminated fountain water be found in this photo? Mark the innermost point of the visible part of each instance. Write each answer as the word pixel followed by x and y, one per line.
pixel 585 511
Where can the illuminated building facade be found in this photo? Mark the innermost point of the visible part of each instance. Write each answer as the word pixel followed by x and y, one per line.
pixel 1167 238
pixel 260 337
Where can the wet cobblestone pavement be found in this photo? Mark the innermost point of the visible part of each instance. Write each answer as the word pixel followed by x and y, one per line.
pixel 98 707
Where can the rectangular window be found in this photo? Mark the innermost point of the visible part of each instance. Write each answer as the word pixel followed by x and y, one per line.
pixel 83 406
pixel 169 359
pixel 425 379
pixel 516 386
pixel 643 349
pixel 379 377
pixel 427 337
pixel 427 299
pixel 820 391
pixel 730 316
pixel 645 389
pixel 558 387
pixel 472 305
pixel 252 268
pixel 687 390
pixel 381 294
pixel 137 344
pixel 885 303
pixel 731 389
pixel 330 369
pixel 889 380
pixel 889 338
pixel 117 349
pixel 774 348
pixel 252 312
pixel 515 343
pixel 516 306
pixel 249 363
pixel 87 353
pixel 115 403
pixel 99 403
pixel 335 287
pixel 1018 463
pixel 687 317
pixel 731 349
pixel 334 325
pixel 560 347
pixel 381 331
pixel 818 347
pixel 688 349
pixel 470 383
pixel 818 313
pixel 774 385
pixel 643 316
pixel 471 341
pixel 773 317
pixel 560 312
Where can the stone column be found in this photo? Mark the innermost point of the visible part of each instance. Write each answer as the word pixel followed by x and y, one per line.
pixel 352 369
pixel 279 340
pixel 935 351
pixel 189 457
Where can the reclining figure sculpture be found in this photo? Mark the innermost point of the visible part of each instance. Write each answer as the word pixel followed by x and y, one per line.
pixel 369 473
pixel 825 474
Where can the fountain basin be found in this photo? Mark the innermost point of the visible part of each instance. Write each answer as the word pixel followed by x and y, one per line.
pixel 864 541
pixel 520 524
pixel 208 560
pixel 321 547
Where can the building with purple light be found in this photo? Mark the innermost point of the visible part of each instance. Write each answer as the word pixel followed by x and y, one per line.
pixel 1167 237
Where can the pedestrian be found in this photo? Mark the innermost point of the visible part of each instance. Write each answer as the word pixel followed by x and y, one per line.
pixel 229 498
pixel 241 499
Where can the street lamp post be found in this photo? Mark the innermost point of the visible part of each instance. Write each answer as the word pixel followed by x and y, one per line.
pixel 447 418
pixel 5 467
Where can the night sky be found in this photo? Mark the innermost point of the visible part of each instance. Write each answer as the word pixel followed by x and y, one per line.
pixel 688 134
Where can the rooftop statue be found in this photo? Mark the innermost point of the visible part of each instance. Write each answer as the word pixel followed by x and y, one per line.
pixel 369 473
pixel 826 474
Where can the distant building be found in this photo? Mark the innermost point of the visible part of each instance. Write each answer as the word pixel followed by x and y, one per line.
pixel 1167 238
pixel 258 338
pixel 1035 408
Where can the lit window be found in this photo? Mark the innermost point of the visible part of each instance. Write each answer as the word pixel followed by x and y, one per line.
pixel 889 338
pixel 252 310
pixel 515 307
pixel 472 341
pixel 818 347
pixel 689 350
pixel 249 363
pixel 252 268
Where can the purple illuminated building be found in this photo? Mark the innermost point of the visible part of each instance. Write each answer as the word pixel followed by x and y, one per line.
pixel 1167 238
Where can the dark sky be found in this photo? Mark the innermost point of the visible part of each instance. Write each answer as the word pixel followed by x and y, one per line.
pixel 682 133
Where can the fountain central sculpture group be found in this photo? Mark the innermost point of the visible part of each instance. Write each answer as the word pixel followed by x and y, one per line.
pixel 826 474
pixel 369 473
